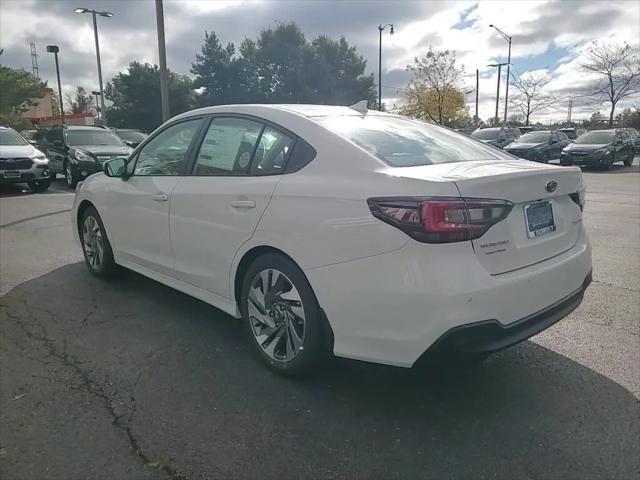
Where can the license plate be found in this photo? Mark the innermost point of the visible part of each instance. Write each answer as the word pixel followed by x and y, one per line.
pixel 539 218
pixel 11 174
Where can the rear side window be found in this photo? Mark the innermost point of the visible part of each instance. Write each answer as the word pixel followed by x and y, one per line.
pixel 403 142
pixel 228 147
pixel 272 152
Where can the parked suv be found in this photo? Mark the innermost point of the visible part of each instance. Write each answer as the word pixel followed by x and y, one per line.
pixel 598 148
pixel 498 136
pixel 539 146
pixel 78 152
pixel 21 162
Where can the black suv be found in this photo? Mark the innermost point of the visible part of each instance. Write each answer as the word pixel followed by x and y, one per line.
pixel 78 152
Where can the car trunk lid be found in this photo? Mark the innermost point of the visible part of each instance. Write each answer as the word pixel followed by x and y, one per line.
pixel 510 245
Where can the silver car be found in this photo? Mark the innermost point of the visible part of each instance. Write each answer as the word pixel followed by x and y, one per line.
pixel 21 162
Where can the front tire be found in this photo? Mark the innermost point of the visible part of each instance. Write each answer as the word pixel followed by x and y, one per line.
pixel 281 315
pixel 70 175
pixel 39 186
pixel 98 254
pixel 629 160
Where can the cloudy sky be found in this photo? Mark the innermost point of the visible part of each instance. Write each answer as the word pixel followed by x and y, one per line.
pixel 549 36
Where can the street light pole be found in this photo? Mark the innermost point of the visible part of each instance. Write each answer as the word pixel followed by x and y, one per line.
pixel 55 49
pixel 506 95
pixel 380 29
pixel 95 35
pixel 98 112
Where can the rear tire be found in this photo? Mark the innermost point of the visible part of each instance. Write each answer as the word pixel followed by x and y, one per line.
pixel 39 186
pixel 98 254
pixel 282 319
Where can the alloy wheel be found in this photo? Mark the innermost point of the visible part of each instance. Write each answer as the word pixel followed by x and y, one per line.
pixel 276 315
pixel 92 242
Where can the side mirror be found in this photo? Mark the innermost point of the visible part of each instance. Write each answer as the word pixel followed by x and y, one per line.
pixel 33 142
pixel 116 167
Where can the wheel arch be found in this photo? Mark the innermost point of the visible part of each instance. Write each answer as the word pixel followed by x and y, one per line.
pixel 248 257
pixel 84 204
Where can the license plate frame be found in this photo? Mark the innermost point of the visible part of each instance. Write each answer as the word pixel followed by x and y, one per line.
pixel 539 218
pixel 11 174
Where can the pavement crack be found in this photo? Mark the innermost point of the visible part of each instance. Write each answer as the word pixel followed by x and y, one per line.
pixel 122 421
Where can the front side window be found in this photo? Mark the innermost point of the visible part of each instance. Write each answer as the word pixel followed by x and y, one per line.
pixel 404 142
pixel 271 153
pixel 227 147
pixel 166 153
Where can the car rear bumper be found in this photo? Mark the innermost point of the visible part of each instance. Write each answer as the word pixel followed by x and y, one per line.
pixel 393 307
pixel 490 335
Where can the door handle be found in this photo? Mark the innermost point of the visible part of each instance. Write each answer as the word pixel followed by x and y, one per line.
pixel 161 197
pixel 243 204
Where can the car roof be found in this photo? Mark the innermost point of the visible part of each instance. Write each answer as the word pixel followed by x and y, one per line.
pixel 305 110
pixel 601 131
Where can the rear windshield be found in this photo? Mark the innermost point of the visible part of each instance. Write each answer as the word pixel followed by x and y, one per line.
pixel 11 138
pixel 534 138
pixel 403 142
pixel 486 134
pixel 596 138
pixel 92 137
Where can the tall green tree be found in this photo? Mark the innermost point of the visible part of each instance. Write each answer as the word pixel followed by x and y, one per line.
pixel 281 66
pixel 135 97
pixel 19 90
pixel 81 102
pixel 216 72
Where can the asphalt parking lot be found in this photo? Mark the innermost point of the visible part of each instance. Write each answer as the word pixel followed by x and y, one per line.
pixel 130 379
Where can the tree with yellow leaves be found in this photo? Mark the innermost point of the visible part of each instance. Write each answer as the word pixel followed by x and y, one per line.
pixel 433 92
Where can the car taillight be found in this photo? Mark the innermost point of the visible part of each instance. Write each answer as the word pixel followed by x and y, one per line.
pixel 579 198
pixel 440 219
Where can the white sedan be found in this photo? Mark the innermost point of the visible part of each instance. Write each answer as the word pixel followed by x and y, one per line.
pixel 339 230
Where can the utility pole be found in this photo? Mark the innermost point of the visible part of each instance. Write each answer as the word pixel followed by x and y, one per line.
pixel 477 89
pixel 499 65
pixel 506 96
pixel 569 112
pixel 164 80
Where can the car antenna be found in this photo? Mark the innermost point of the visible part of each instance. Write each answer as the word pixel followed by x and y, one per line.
pixel 360 107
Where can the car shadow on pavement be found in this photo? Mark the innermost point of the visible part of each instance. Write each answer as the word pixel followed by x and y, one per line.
pixel 180 387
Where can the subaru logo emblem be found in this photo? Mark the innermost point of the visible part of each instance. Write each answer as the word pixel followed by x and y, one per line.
pixel 551 186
